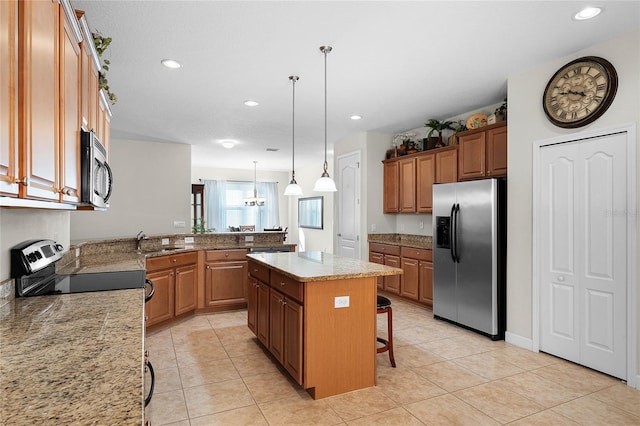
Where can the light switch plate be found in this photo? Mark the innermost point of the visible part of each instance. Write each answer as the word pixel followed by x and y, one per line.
pixel 188 240
pixel 341 302
pixel 179 224
pixel 165 241
pixel 248 238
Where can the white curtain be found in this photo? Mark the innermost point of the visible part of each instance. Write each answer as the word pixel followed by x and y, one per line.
pixel 214 202
pixel 224 206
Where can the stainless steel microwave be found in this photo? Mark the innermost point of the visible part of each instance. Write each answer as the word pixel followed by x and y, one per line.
pixel 97 178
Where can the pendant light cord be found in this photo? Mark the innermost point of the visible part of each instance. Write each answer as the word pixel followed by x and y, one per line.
pixel 325 50
pixel 293 79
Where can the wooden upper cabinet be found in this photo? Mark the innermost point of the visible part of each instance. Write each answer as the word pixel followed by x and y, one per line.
pixel 90 66
pixel 39 94
pixel 447 165
pixel 497 151
pixel 425 177
pixel 70 69
pixel 483 152
pixel 407 183
pixel 390 192
pixel 8 97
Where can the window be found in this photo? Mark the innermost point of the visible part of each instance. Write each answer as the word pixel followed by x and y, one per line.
pixel 225 205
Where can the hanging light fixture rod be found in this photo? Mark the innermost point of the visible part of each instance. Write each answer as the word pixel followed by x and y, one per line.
pixel 293 188
pixel 255 200
pixel 325 183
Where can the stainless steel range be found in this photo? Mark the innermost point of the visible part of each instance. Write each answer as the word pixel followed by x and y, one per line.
pixel 34 270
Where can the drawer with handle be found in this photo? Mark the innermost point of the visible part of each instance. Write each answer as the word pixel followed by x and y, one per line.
pixel 259 271
pixel 286 285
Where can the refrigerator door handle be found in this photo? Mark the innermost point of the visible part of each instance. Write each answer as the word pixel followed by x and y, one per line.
pixel 456 253
pixel 452 232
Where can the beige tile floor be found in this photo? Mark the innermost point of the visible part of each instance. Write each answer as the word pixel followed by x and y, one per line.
pixel 210 370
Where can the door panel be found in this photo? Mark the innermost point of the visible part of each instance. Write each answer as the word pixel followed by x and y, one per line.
pixel 559 298
pixel 444 269
pixel 583 252
pixel 349 206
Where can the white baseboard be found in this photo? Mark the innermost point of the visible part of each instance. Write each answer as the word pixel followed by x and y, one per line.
pixel 514 339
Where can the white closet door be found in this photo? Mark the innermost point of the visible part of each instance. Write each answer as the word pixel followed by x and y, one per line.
pixel 583 289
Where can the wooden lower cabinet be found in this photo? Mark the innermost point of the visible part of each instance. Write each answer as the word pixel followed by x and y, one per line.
pixel 186 289
pixel 276 325
pixel 226 279
pixel 410 278
pixel 416 281
pixel 175 278
pixel 293 329
pixel 425 292
pixel 275 317
pixel 389 255
pixel 162 306
pixel 263 314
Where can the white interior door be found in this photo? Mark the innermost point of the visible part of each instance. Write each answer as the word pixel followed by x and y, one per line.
pixel 583 252
pixel 349 205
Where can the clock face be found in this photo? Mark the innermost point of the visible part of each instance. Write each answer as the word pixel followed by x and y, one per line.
pixel 580 92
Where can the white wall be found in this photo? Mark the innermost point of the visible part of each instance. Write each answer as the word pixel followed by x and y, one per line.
pixel 527 123
pixel 151 190
pixel 313 239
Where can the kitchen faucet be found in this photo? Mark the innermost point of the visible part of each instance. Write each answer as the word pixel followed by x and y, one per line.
pixel 141 236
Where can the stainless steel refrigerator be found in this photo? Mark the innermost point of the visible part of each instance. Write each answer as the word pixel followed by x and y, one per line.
pixel 469 255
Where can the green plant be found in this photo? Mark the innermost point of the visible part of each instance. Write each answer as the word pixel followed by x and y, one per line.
pixel 502 109
pixel 199 227
pixel 102 43
pixel 461 126
pixel 438 127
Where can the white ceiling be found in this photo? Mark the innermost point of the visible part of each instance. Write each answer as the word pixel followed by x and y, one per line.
pixel 395 63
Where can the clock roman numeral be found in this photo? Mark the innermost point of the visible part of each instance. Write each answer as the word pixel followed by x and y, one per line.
pixel 602 86
pixel 574 115
pixel 555 107
pixel 563 114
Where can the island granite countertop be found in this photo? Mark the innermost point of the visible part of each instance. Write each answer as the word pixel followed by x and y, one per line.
pixel 308 266
pixel 73 359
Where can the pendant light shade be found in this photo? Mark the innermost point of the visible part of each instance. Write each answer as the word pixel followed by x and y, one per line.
pixel 255 200
pixel 293 188
pixel 325 183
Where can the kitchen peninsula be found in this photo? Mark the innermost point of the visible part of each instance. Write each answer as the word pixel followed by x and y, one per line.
pixel 316 313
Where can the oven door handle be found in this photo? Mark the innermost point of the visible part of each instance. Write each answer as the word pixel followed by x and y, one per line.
pixel 147 400
pixel 106 197
pixel 151 292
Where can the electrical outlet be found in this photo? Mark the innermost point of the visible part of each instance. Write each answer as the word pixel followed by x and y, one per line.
pixel 179 224
pixel 248 238
pixel 165 241
pixel 422 224
pixel 373 227
pixel 188 240
pixel 341 302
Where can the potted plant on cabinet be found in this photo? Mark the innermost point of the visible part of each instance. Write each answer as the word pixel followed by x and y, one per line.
pixel 438 126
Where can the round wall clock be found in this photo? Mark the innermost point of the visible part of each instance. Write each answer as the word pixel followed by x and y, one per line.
pixel 580 92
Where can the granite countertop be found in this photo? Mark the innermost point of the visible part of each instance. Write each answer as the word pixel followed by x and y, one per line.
pixel 73 359
pixel 320 266
pixel 405 240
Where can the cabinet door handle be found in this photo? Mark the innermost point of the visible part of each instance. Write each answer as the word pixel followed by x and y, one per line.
pixel 24 181
pixel 282 283
pixel 226 255
pixel 175 260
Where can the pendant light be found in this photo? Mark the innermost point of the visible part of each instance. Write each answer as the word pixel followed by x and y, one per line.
pixel 255 200
pixel 293 188
pixel 325 183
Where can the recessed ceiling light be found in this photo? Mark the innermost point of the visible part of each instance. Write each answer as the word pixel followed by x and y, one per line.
pixel 228 144
pixel 251 103
pixel 171 63
pixel 587 13
pixel 356 117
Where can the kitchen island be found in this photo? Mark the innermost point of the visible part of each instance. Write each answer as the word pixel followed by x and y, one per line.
pixel 316 313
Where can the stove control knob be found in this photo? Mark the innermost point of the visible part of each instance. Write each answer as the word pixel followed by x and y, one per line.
pixel 59 247
pixel 31 257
